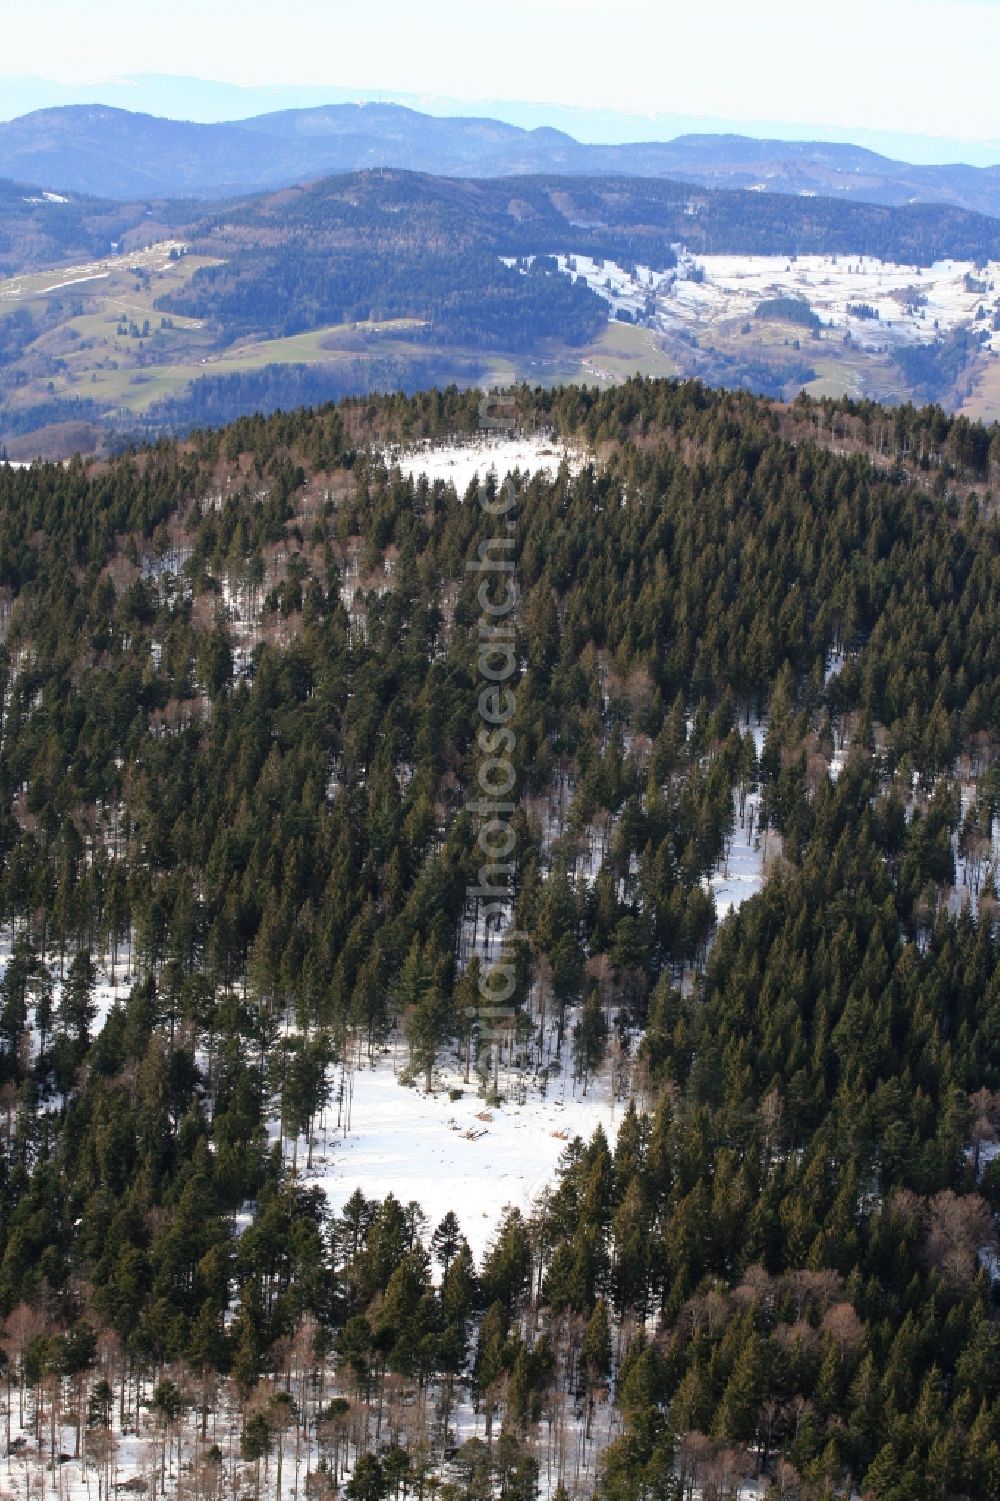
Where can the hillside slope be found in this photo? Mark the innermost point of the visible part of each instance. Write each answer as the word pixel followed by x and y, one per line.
pixel 261 894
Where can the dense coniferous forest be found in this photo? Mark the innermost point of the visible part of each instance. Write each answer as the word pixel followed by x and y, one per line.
pixel 472 299
pixel 239 740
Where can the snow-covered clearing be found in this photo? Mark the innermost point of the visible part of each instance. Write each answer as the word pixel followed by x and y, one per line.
pixel 459 1154
pixel 739 874
pixel 459 463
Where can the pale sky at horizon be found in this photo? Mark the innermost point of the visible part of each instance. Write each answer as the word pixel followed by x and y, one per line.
pixel 918 66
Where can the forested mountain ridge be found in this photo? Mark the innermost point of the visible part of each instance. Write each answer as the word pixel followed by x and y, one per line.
pixel 239 739
pixel 632 217
pixel 734 221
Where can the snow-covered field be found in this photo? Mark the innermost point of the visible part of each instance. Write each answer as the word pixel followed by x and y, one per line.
pixel 914 304
pixel 733 287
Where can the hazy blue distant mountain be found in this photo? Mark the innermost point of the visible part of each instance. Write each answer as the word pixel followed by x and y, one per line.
pixel 208 100
pixel 120 154
pixel 175 97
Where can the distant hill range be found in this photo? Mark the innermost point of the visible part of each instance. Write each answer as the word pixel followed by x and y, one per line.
pixel 115 153
pixel 415 219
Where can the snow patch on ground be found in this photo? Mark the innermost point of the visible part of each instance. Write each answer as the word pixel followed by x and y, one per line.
pixel 628 290
pixel 107 993
pixel 74 281
pixel 740 873
pixel 834 666
pixel 977 864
